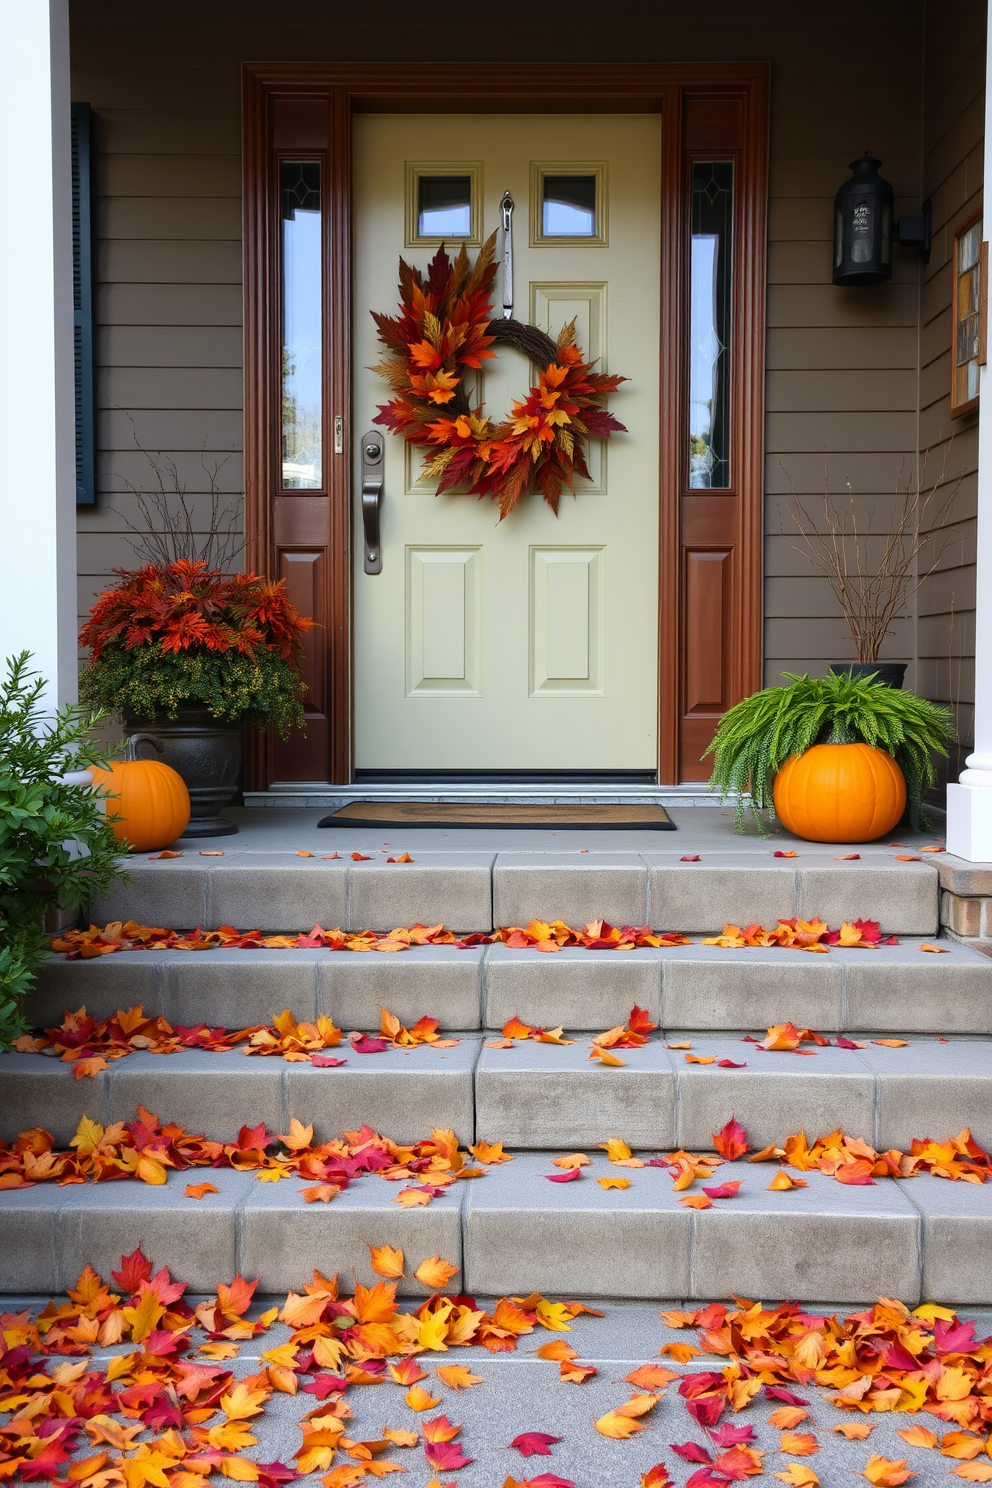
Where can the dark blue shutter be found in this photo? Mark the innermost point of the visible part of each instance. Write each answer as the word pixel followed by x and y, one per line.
pixel 82 299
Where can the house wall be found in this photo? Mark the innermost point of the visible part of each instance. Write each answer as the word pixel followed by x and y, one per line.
pixel 953 130
pixel 164 84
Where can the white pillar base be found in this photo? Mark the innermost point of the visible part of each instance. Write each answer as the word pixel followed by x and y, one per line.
pixel 969 822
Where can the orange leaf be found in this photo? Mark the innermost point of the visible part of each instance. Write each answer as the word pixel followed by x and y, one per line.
pixel 798 1443
pixel 571 1160
pixel 799 1475
pixel 197 1190
pixel 697 1201
pixel 891 1043
pixel 962 1444
pixel 164 854
pixel 786 1417
pixel 301 852
pixel 680 1352
pixel 650 1377
pixel 418 1399
pixel 937 950
pixel 917 1436
pixel 886 1473
pixel 782 1181
pixel 854 1430
pixel 435 1273
pixel 613 1182
pixel 605 1057
pixel 973 1472
pixel 399 1437
pixel 457 1376
pixel 386 1261
pixel 699 1058
pixel 320 1192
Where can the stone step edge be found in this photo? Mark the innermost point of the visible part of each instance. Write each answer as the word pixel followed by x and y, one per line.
pixel 824 1242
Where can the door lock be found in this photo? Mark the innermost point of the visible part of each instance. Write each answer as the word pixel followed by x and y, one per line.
pixel 372 473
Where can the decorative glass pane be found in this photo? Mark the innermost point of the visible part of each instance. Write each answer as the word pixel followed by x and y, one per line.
pixel 302 382
pixel 709 323
pixel 966 315
pixel 444 206
pixel 569 207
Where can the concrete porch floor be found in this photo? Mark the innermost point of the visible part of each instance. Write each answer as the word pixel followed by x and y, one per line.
pixel 292 829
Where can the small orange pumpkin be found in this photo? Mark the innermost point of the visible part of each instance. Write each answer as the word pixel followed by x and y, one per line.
pixel 840 793
pixel 150 799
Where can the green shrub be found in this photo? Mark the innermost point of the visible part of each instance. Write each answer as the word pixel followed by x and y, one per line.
pixel 758 735
pixel 41 820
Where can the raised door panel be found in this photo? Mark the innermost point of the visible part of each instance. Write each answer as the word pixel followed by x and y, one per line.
pixel 442 621
pixel 567 621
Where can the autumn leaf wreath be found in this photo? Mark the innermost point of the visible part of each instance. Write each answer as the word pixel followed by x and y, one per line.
pixel 445 329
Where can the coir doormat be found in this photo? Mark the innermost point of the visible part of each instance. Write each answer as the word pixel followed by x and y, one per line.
pixel 582 815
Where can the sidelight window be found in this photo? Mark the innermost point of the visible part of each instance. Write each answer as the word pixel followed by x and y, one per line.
pixel 709 323
pixel 302 314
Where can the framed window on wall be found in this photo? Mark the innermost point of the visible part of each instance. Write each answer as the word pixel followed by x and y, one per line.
pixel 969 307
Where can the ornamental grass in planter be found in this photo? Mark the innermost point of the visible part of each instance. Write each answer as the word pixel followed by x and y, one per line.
pixel 186 654
pixel 837 758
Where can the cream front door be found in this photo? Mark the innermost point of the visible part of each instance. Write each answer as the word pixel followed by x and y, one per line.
pixel 532 643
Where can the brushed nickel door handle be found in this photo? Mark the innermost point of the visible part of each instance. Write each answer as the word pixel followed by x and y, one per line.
pixel 372 473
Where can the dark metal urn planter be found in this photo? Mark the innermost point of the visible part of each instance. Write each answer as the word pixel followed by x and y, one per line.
pixel 889 673
pixel 207 755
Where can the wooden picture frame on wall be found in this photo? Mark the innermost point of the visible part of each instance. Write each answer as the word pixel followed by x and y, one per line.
pixel 969 304
pixel 711 542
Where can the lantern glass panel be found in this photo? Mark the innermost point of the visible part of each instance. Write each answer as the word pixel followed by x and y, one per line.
pixel 302 315
pixel 967 251
pixel 709 324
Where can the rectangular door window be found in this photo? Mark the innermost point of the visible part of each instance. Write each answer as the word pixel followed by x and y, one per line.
pixel 709 323
pixel 302 239
pixel 967 317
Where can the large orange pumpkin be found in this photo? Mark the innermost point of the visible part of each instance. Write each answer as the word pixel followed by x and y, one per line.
pixel 150 799
pixel 840 793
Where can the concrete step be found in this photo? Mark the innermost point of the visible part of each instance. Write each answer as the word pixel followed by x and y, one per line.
pixel 478 890
pixel 534 1095
pixel 512 1231
pixel 895 989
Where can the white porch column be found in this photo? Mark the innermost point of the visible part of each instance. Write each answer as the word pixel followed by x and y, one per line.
pixel 969 803
pixel 37 398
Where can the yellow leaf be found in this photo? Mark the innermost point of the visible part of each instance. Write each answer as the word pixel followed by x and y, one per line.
pixel 457 1376
pixel 144 1317
pixel 571 1160
pixel 615 1149
pixel 418 1399
pixel 386 1261
pixel 89 1135
pixel 241 1469
pixel 241 1401
pixel 613 1182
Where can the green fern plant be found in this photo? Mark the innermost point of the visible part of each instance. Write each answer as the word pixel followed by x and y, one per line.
pixel 758 735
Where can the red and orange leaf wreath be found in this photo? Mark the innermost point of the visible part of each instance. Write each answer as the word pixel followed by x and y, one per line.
pixel 444 330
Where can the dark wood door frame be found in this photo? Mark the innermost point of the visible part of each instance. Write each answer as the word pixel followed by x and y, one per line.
pixel 710 587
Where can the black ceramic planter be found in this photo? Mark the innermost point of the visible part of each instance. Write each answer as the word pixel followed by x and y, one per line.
pixel 207 755
pixel 889 673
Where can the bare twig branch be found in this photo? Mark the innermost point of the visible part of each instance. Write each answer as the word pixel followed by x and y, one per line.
pixel 167 533
pixel 872 591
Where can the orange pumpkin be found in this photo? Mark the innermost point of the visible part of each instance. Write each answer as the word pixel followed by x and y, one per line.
pixel 840 793
pixel 150 799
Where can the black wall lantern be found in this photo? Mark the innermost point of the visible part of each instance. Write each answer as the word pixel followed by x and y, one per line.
pixel 863 227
